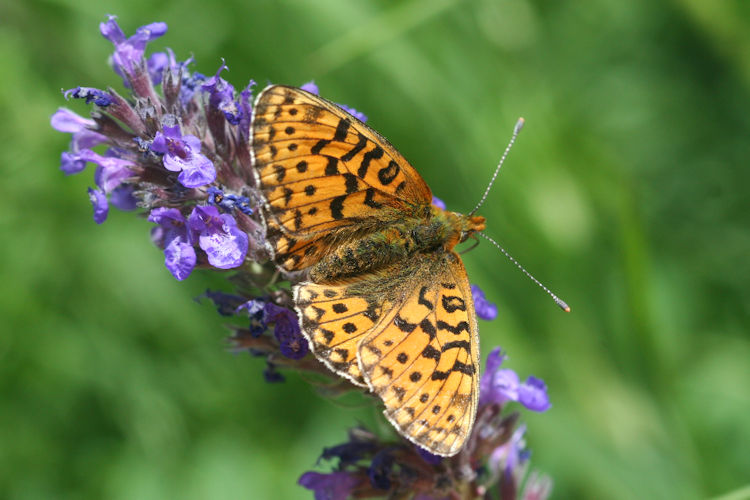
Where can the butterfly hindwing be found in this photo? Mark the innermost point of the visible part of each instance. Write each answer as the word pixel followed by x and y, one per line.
pixel 320 170
pixel 422 358
pixel 334 323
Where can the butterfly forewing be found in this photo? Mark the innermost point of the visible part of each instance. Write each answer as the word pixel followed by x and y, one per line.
pixel 321 170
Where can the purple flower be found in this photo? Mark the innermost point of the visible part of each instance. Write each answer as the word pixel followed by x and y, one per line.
pixel 510 454
pixel 533 394
pixel 110 174
pixel 111 171
pixel 287 331
pixel 427 456
pixel 218 235
pixel 129 51
pixel 156 64
pixel 272 375
pixel 122 197
pixel 438 202
pixel 356 114
pixel 190 84
pixel 256 311
pixel 501 385
pixel 64 120
pixel 483 307
pixel 99 202
pixel 98 97
pixel 117 169
pixel 246 111
pixel 173 236
pixel 349 453
pixel 333 486
pixel 221 96
pixel 380 469
pixel 311 87
pixel 229 202
pixel 182 154
pixel 71 163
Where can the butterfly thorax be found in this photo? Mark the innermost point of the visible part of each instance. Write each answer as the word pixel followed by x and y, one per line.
pixel 435 231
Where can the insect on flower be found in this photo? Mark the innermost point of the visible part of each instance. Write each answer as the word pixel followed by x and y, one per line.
pixel 386 302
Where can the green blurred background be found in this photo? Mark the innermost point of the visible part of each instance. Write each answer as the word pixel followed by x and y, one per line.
pixel 628 193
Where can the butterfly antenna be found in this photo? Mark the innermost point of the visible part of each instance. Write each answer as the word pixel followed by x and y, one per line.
pixel 565 307
pixel 516 130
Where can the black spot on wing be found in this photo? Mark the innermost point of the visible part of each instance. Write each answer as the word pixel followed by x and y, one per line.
pixel 431 353
pixel 327 334
pixel 370 199
pixel 350 182
pixel 463 326
pixel 280 172
pixel 344 353
pixel 337 206
pixel 452 303
pixel 332 167
pixel 361 143
pixel 400 392
pixel 374 350
pixel 374 154
pixel 461 344
pixel 342 129
pixel 468 369
pixel 427 326
pixel 404 325
pixel 386 175
pixel 423 300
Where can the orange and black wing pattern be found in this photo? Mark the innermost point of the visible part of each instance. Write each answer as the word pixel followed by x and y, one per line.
pixel 324 174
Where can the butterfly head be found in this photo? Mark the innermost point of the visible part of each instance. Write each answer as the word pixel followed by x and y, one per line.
pixel 470 224
pixel 460 227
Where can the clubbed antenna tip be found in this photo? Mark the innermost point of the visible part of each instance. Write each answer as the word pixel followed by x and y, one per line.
pixel 565 307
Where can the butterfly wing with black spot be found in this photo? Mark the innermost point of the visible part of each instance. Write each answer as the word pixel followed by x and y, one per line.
pixel 335 321
pixel 422 357
pixel 324 176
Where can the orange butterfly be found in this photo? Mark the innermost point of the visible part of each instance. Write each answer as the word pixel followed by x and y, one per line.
pixel 386 302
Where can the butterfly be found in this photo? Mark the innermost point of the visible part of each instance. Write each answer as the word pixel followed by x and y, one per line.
pixel 384 300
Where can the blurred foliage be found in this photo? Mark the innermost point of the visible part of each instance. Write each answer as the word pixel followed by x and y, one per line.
pixel 627 194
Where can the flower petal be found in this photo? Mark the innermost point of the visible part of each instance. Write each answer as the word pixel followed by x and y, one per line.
pixel 99 202
pixel 533 394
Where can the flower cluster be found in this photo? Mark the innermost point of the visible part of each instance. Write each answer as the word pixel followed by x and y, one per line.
pixel 176 148
pixel 494 458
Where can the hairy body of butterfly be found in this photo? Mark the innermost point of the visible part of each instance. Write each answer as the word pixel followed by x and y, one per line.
pixel 386 302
